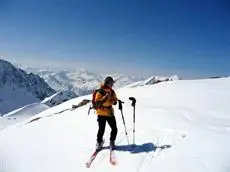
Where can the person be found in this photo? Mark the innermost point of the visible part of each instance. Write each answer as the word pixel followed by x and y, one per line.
pixel 105 98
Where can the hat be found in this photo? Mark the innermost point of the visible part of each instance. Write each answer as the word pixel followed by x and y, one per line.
pixel 108 80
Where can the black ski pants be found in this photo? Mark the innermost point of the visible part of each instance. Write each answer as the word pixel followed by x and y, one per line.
pixel 101 130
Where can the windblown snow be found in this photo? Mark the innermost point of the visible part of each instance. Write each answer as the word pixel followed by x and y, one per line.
pixel 180 126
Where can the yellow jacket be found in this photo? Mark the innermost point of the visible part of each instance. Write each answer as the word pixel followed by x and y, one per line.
pixel 105 99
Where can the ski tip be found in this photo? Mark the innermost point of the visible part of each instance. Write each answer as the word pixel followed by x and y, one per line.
pixel 87 165
pixel 114 163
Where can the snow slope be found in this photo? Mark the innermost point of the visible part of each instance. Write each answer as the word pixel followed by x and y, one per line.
pixel 13 99
pixel 180 126
pixel 21 114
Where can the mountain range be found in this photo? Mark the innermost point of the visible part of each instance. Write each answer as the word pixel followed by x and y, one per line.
pixel 21 86
pixel 80 81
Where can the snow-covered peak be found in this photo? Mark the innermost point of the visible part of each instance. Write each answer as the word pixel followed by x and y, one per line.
pixel 59 98
pixel 16 78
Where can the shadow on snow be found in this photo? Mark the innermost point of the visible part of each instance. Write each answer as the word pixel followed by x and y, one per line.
pixel 146 147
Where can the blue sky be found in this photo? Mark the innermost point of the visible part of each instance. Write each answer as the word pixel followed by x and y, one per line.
pixel 190 38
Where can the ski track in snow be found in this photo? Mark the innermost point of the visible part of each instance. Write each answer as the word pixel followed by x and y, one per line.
pixel 147 157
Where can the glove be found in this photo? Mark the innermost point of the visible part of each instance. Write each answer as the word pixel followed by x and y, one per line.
pixel 115 102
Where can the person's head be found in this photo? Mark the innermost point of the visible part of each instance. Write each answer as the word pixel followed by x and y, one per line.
pixel 109 81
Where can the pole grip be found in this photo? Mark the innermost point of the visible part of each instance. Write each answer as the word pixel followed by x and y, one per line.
pixel 133 101
pixel 120 104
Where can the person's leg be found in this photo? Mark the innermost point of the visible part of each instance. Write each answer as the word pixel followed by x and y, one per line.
pixel 101 128
pixel 113 125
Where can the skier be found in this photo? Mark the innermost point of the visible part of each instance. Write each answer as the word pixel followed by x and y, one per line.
pixel 105 98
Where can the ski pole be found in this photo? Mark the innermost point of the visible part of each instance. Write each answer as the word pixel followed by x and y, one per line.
pixel 134 105
pixel 120 107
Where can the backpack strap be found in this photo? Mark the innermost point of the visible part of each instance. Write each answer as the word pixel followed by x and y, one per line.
pixel 101 91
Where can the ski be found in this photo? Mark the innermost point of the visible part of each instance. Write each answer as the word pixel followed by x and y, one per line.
pixel 112 157
pixel 92 157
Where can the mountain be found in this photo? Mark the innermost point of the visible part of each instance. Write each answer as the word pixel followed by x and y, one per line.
pixel 181 125
pixel 80 81
pixel 18 88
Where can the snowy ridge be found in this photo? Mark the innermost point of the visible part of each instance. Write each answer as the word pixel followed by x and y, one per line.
pixel 157 79
pixel 59 98
pixel 180 126
pixel 154 80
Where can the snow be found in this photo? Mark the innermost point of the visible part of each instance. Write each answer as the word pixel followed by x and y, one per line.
pixel 181 126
